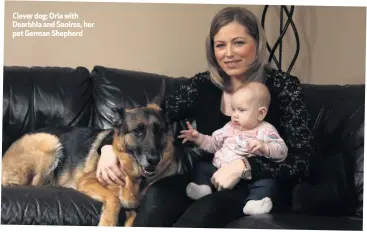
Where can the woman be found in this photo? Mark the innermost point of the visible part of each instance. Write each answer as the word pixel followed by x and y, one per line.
pixel 236 54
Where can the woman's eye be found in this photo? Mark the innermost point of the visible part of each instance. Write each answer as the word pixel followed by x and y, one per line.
pixel 239 43
pixel 219 45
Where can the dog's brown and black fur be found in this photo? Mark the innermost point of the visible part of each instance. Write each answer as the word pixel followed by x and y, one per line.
pixel 68 157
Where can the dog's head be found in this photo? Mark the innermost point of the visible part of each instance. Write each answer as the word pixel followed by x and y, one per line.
pixel 143 133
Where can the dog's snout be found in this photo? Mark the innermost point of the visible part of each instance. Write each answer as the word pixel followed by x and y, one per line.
pixel 153 160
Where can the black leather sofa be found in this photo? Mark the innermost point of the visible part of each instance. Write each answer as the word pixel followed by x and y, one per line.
pixel 36 97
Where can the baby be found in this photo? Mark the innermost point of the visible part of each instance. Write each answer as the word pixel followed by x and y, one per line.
pixel 247 134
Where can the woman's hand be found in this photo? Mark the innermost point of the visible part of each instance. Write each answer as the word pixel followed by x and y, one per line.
pixel 228 176
pixel 109 168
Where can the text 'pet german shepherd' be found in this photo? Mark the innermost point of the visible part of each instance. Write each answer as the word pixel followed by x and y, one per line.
pixel 68 157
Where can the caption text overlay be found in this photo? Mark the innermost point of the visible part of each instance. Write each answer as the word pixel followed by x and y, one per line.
pixel 52 24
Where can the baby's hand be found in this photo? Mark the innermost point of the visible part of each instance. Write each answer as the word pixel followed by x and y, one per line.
pixel 257 145
pixel 189 135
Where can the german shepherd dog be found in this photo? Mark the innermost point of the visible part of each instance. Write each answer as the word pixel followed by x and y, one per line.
pixel 68 157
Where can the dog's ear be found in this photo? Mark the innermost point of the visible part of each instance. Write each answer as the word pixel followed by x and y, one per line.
pixel 158 100
pixel 118 117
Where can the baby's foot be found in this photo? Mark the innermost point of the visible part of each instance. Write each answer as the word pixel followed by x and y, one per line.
pixel 262 206
pixel 195 191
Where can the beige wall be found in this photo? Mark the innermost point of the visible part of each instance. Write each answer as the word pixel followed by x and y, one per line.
pixel 169 39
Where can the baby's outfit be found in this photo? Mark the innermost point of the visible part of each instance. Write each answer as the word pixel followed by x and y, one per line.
pixel 229 144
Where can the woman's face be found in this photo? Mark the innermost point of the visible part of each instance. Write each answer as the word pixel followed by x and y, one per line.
pixel 234 49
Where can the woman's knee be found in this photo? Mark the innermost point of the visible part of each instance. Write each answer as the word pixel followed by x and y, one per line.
pixel 164 190
pixel 203 170
pixel 163 202
pixel 265 182
pixel 224 206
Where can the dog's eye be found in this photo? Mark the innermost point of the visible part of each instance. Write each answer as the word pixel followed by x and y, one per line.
pixel 138 131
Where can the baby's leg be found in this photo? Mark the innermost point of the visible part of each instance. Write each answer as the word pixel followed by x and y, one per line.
pixel 259 200
pixel 201 185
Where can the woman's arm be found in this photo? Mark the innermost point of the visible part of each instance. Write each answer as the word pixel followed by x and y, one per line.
pixel 294 120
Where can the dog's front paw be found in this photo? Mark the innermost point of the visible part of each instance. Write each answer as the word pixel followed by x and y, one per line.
pixel 130 204
pixel 129 198
pixel 106 222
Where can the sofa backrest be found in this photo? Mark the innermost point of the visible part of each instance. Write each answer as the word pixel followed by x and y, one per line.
pixel 36 97
pixel 337 120
pixel 125 88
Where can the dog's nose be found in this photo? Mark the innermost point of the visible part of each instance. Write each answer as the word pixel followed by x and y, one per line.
pixel 153 160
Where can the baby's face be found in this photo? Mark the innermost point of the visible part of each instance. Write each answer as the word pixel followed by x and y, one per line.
pixel 245 110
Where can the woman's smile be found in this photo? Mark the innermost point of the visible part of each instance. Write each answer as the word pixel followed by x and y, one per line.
pixel 232 63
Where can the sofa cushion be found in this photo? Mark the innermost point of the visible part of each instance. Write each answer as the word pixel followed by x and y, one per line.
pixel 36 97
pixel 296 222
pixel 48 205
